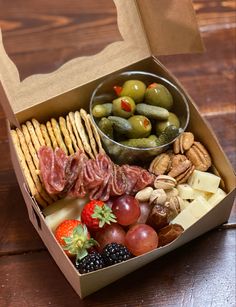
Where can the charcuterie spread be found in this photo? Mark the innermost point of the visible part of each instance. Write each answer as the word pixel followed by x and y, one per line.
pixel 102 213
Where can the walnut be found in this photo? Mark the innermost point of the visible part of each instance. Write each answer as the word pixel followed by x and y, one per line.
pixel 164 182
pixel 183 142
pixel 160 165
pixel 199 157
pixel 169 233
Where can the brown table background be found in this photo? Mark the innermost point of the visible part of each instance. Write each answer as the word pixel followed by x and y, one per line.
pixel 40 36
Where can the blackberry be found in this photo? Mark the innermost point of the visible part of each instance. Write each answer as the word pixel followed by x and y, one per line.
pixel 114 253
pixel 89 263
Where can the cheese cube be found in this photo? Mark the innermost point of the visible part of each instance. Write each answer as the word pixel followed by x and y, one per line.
pixel 217 197
pixel 185 219
pixel 185 191
pixel 183 204
pixel 204 181
pixel 199 207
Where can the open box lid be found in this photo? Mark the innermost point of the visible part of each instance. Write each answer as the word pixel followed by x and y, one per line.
pixel 150 27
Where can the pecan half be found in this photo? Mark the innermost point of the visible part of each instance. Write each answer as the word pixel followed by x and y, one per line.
pixel 160 165
pixel 199 157
pixel 181 168
pixel 183 142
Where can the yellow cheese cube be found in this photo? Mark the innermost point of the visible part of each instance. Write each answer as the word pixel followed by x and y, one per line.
pixel 217 197
pixel 204 181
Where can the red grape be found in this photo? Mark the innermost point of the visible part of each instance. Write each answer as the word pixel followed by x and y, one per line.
pixel 145 210
pixel 141 239
pixel 126 209
pixel 113 233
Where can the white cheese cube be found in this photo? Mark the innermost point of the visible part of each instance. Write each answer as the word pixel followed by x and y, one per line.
pixel 185 219
pixel 198 207
pixel 217 197
pixel 204 194
pixel 184 204
pixel 204 181
pixel 185 191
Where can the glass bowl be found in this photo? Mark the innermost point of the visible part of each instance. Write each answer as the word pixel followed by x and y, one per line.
pixel 104 93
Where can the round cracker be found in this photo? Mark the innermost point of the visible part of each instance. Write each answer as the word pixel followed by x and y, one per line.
pixel 72 121
pixel 96 135
pixel 71 134
pixel 45 135
pixel 38 131
pixel 84 116
pixel 83 135
pixel 68 142
pixel 57 133
pixel 51 135
pixel 32 168
pixel 25 170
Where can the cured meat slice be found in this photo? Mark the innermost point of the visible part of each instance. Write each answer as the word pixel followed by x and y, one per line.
pixel 118 181
pixel 71 172
pixel 52 169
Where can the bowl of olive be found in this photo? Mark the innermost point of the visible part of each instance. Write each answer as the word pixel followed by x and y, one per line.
pixel 138 115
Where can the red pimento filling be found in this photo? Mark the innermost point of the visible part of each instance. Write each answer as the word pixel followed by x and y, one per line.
pixel 145 123
pixel 117 89
pixel 125 105
pixel 152 85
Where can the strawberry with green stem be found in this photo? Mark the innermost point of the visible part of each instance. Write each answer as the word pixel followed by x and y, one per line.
pixel 96 214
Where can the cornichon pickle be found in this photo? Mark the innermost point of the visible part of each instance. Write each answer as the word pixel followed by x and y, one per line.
pixel 142 142
pixel 121 125
pixel 106 126
pixel 171 120
pixel 152 111
pixel 167 135
pixel 102 110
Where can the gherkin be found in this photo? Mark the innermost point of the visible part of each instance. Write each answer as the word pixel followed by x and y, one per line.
pixel 167 135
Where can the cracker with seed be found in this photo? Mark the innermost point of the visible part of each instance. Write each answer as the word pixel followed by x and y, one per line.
pixel 57 133
pixel 83 134
pixel 71 134
pixel 33 135
pixel 84 116
pixel 51 135
pixel 30 146
pixel 71 117
pixel 25 170
pixel 68 142
pixel 96 135
pixel 45 135
pixel 38 132
pixel 32 168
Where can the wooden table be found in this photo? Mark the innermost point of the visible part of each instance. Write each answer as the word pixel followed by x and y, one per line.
pixel 39 37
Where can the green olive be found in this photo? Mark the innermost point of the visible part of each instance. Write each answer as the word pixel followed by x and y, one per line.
pixel 134 89
pixel 141 127
pixel 123 106
pixel 102 110
pixel 172 120
pixel 158 95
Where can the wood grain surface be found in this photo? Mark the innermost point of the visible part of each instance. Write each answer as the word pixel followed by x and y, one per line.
pixel 39 37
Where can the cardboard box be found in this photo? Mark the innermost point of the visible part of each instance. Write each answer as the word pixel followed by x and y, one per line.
pixel 45 96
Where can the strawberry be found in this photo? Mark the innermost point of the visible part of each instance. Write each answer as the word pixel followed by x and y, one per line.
pixel 96 214
pixel 74 238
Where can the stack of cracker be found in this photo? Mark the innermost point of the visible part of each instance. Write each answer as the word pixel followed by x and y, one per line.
pixel 73 133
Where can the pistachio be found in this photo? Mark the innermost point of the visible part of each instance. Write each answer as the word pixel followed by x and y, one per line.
pixel 164 182
pixel 158 197
pixel 174 206
pixel 144 195
pixel 172 192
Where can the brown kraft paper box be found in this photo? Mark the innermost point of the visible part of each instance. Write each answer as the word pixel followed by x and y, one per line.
pixel 44 96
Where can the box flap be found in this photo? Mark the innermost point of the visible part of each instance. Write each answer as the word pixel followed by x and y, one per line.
pixel 171 26
pixel 134 17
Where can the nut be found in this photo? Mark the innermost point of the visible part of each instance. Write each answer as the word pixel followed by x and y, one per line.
pixel 199 157
pixel 169 233
pixel 183 142
pixel 158 197
pixel 164 182
pixel 160 165
pixel 174 205
pixel 171 192
pixel 144 195
pixel 181 168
